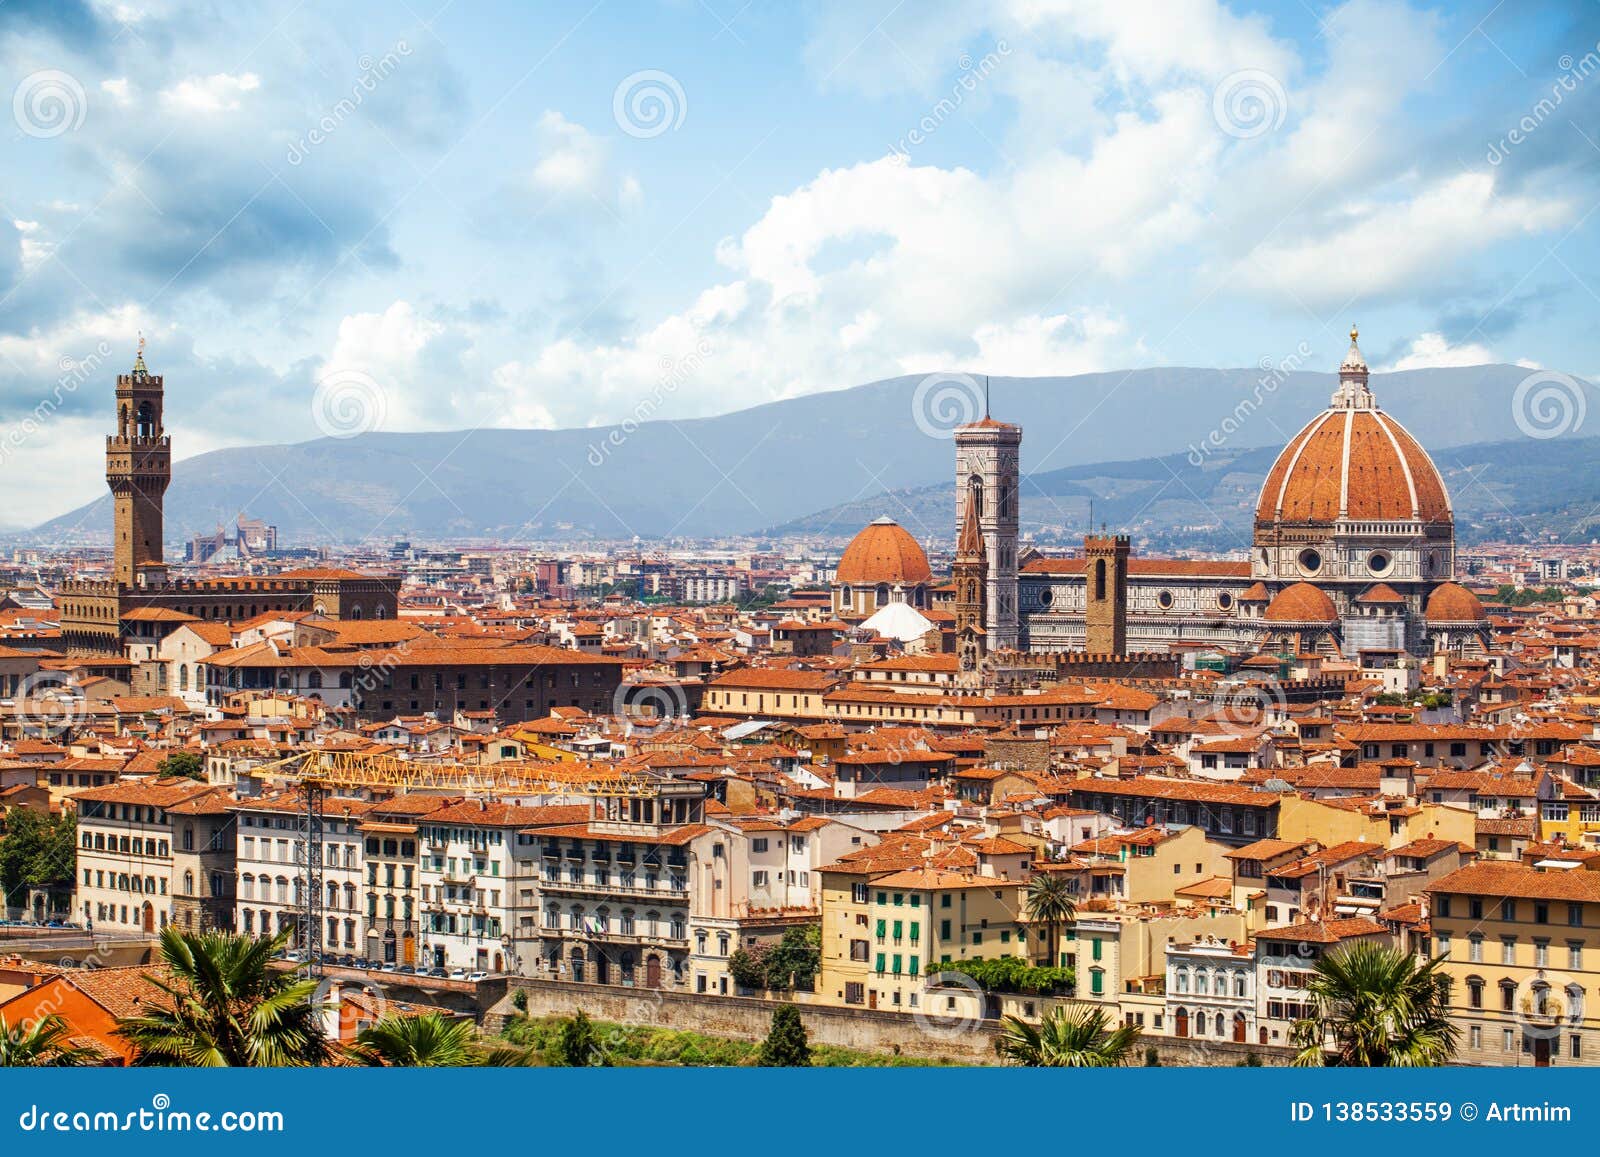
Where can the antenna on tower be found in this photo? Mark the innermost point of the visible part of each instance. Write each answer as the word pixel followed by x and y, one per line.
pixel 985 395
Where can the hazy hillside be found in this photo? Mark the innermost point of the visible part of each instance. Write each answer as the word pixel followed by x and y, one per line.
pixel 776 463
pixel 1523 490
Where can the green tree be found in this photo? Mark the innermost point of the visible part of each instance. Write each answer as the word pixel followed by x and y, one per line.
pixel 793 961
pixel 227 1006
pixel 748 966
pixel 182 765
pixel 38 851
pixel 579 1045
pixel 44 1043
pixel 1049 902
pixel 1012 974
pixel 1067 1038
pixel 786 1046
pixel 1374 1007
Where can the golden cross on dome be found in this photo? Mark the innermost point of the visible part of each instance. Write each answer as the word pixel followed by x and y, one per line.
pixel 1352 334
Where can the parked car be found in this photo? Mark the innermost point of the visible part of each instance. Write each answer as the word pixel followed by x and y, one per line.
pixel 408 969
pixel 477 976
pixel 294 955
pixel 389 967
pixel 437 972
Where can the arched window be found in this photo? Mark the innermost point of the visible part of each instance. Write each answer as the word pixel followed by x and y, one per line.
pixel 314 680
pixel 1200 983
pixel 1183 980
pixel 183 676
pixel 188 883
pixel 1099 579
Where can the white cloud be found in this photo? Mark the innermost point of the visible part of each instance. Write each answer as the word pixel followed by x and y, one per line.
pixel 119 90
pixel 1433 350
pixel 1399 245
pixel 575 165
pixel 220 92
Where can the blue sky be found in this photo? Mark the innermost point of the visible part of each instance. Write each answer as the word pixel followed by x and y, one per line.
pixel 329 218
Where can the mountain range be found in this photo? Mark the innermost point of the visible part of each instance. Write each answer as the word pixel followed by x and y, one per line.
pixel 1175 455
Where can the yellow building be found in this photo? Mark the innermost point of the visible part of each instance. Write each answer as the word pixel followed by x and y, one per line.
pixel 1521 946
pixel 884 931
pixel 1387 822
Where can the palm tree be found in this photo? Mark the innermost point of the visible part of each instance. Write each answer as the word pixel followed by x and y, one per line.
pixel 416 1042
pixel 227 1006
pixel 43 1043
pixel 1067 1038
pixel 1049 902
pixel 1376 1006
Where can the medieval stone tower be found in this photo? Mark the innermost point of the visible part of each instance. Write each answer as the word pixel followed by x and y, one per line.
pixel 987 454
pixel 138 468
pixel 1106 597
pixel 970 574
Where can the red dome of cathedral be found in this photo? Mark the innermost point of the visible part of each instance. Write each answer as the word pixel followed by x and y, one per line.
pixel 1353 462
pixel 1302 603
pixel 884 552
pixel 1454 603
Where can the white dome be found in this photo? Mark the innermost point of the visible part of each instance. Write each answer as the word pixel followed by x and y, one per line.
pixel 899 621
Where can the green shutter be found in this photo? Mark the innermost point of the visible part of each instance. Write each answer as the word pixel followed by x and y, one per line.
pixel 880 964
pixel 1096 981
pixel 882 924
pixel 897 964
pixel 916 931
pixel 1096 950
pixel 916 966
pixel 898 928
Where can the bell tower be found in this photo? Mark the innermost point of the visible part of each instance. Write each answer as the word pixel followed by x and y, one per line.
pixel 1106 602
pixel 971 577
pixel 987 473
pixel 138 468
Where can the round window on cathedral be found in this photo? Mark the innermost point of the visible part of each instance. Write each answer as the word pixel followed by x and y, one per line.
pixel 1164 600
pixel 1224 601
pixel 1310 561
pixel 1379 562
pixel 1044 596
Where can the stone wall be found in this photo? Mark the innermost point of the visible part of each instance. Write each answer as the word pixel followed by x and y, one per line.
pixel 748 1018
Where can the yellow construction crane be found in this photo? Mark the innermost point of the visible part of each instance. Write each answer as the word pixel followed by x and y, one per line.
pixel 315 772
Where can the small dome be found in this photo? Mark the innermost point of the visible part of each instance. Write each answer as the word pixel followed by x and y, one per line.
pixel 898 621
pixel 1256 592
pixel 1454 603
pixel 1302 603
pixel 884 552
pixel 1380 593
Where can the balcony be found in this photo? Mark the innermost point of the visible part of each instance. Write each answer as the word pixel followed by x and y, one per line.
pixel 666 895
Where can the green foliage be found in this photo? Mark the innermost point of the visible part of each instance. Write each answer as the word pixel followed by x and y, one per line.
pixel 43 1043
pixel 430 1041
pixel 38 851
pixel 794 961
pixel 182 765
pixel 1067 1038
pixel 635 1045
pixel 789 964
pixel 1376 1006
pixel 1013 974
pixel 786 1046
pixel 1527 596
pixel 748 966
pixel 519 1000
pixel 1050 902
pixel 578 1045
pixel 1152 1057
pixel 225 1006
